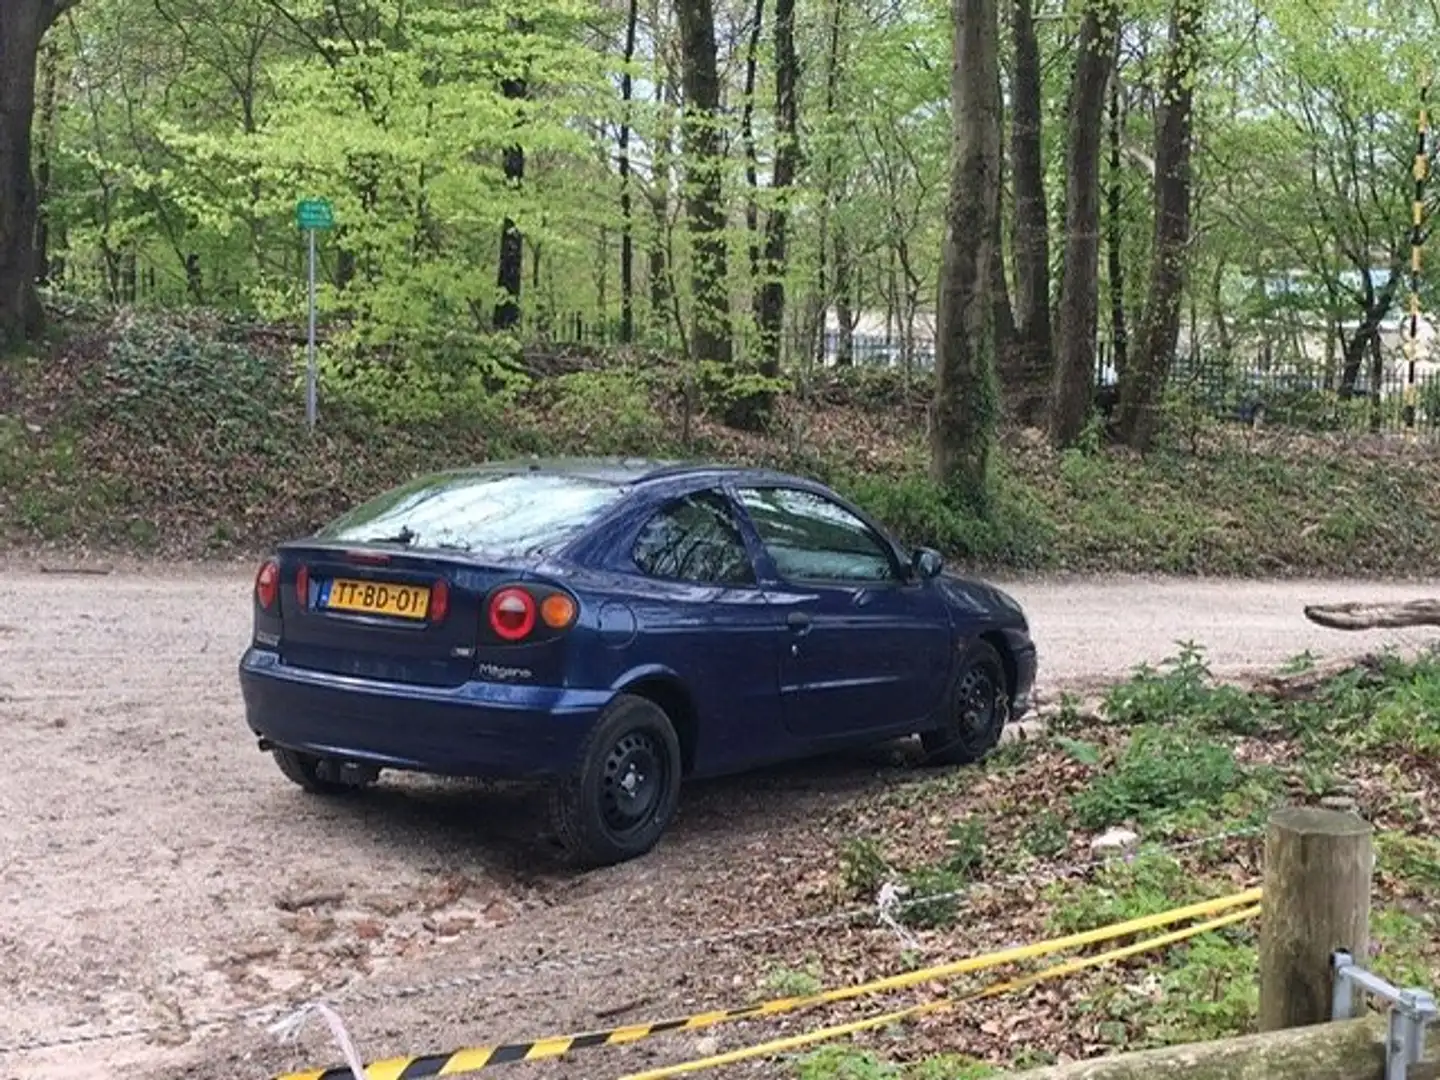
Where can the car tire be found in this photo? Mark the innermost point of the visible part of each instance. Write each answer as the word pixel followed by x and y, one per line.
pixel 304 770
pixel 976 711
pixel 623 795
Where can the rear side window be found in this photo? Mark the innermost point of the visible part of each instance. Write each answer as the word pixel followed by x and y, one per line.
pixel 694 539
pixel 500 513
pixel 812 538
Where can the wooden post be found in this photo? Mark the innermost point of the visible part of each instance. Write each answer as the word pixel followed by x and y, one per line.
pixel 1318 866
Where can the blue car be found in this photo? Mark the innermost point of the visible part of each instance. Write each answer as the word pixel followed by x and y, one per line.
pixel 611 628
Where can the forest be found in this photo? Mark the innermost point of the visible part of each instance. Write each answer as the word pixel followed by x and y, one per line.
pixel 1026 209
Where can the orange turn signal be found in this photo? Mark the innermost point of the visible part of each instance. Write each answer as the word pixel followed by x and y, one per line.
pixel 557 611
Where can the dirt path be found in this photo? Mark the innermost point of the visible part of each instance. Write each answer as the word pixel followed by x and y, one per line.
pixel 154 867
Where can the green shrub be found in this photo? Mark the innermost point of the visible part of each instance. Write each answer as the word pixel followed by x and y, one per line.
pixel 844 1063
pixel 1121 890
pixel 966 840
pixel 1046 836
pixel 940 883
pixel 1210 990
pixel 863 868
pixel 1161 769
pixel 1182 689
pixel 609 411
pixel 1002 525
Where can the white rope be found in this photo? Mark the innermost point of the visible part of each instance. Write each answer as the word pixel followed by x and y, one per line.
pixel 887 902
pixel 287 1029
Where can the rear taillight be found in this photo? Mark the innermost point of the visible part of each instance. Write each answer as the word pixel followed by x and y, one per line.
pixel 267 584
pixel 512 614
pixel 558 611
pixel 302 586
pixel 439 600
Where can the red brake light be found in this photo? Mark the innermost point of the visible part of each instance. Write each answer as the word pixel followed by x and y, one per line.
pixel 302 586
pixel 439 600
pixel 267 584
pixel 512 614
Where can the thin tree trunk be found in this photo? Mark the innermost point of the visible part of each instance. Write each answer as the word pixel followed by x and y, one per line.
pixel 787 162
pixel 844 309
pixel 1080 278
pixel 627 242
pixel 512 248
pixel 510 274
pixel 704 200
pixel 659 270
pixel 963 413
pixel 1115 267
pixel 45 146
pixel 827 181
pixel 747 137
pixel 1004 314
pixel 1140 391
pixel 1028 387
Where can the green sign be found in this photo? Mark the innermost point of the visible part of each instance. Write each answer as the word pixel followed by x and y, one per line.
pixel 314 214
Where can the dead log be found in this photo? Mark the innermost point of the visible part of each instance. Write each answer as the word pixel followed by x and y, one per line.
pixel 1362 616
pixel 1302 685
pixel 1347 1050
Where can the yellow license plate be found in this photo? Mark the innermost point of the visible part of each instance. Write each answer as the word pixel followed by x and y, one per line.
pixel 376 598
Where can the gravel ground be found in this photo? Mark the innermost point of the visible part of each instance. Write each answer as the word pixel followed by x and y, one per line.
pixel 155 869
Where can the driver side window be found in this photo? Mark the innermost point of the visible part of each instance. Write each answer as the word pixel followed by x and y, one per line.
pixel 813 539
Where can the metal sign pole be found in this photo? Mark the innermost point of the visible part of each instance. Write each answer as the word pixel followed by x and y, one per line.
pixel 310 342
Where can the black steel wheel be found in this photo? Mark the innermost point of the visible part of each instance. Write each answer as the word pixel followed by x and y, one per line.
pixel 620 799
pixel 978 711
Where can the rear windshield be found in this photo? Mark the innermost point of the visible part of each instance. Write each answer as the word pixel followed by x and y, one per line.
pixel 499 512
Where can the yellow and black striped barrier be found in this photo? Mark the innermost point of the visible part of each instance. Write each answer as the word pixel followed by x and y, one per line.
pixel 1055 971
pixel 474 1059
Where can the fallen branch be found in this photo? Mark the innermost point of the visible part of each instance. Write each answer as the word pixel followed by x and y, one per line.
pixel 1302 685
pixel 1362 616
pixel 1347 1050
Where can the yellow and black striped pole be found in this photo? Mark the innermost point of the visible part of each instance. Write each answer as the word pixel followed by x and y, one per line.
pixel 1421 171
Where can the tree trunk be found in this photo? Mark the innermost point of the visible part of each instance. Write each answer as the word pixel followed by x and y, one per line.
pixel 752 163
pixel 22 26
pixel 963 413
pixel 512 247
pixel 844 308
pixel 660 241
pixel 1080 278
pixel 704 198
pixel 627 240
pixel 1141 389
pixel 1001 310
pixel 1028 388
pixel 45 147
pixel 787 162
pixel 1374 308
pixel 827 179
pixel 1114 235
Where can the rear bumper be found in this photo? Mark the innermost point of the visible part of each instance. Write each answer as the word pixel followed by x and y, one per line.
pixel 479 729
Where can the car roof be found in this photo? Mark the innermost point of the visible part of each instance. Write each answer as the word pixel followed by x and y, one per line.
pixel 618 470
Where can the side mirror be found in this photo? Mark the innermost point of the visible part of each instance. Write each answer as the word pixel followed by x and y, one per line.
pixel 927 563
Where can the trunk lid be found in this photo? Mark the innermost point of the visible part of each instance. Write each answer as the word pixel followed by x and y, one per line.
pixel 369 611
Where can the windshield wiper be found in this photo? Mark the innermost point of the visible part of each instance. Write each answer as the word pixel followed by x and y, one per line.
pixel 406 535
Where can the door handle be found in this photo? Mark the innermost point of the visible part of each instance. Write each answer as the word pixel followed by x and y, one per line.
pixel 799 622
